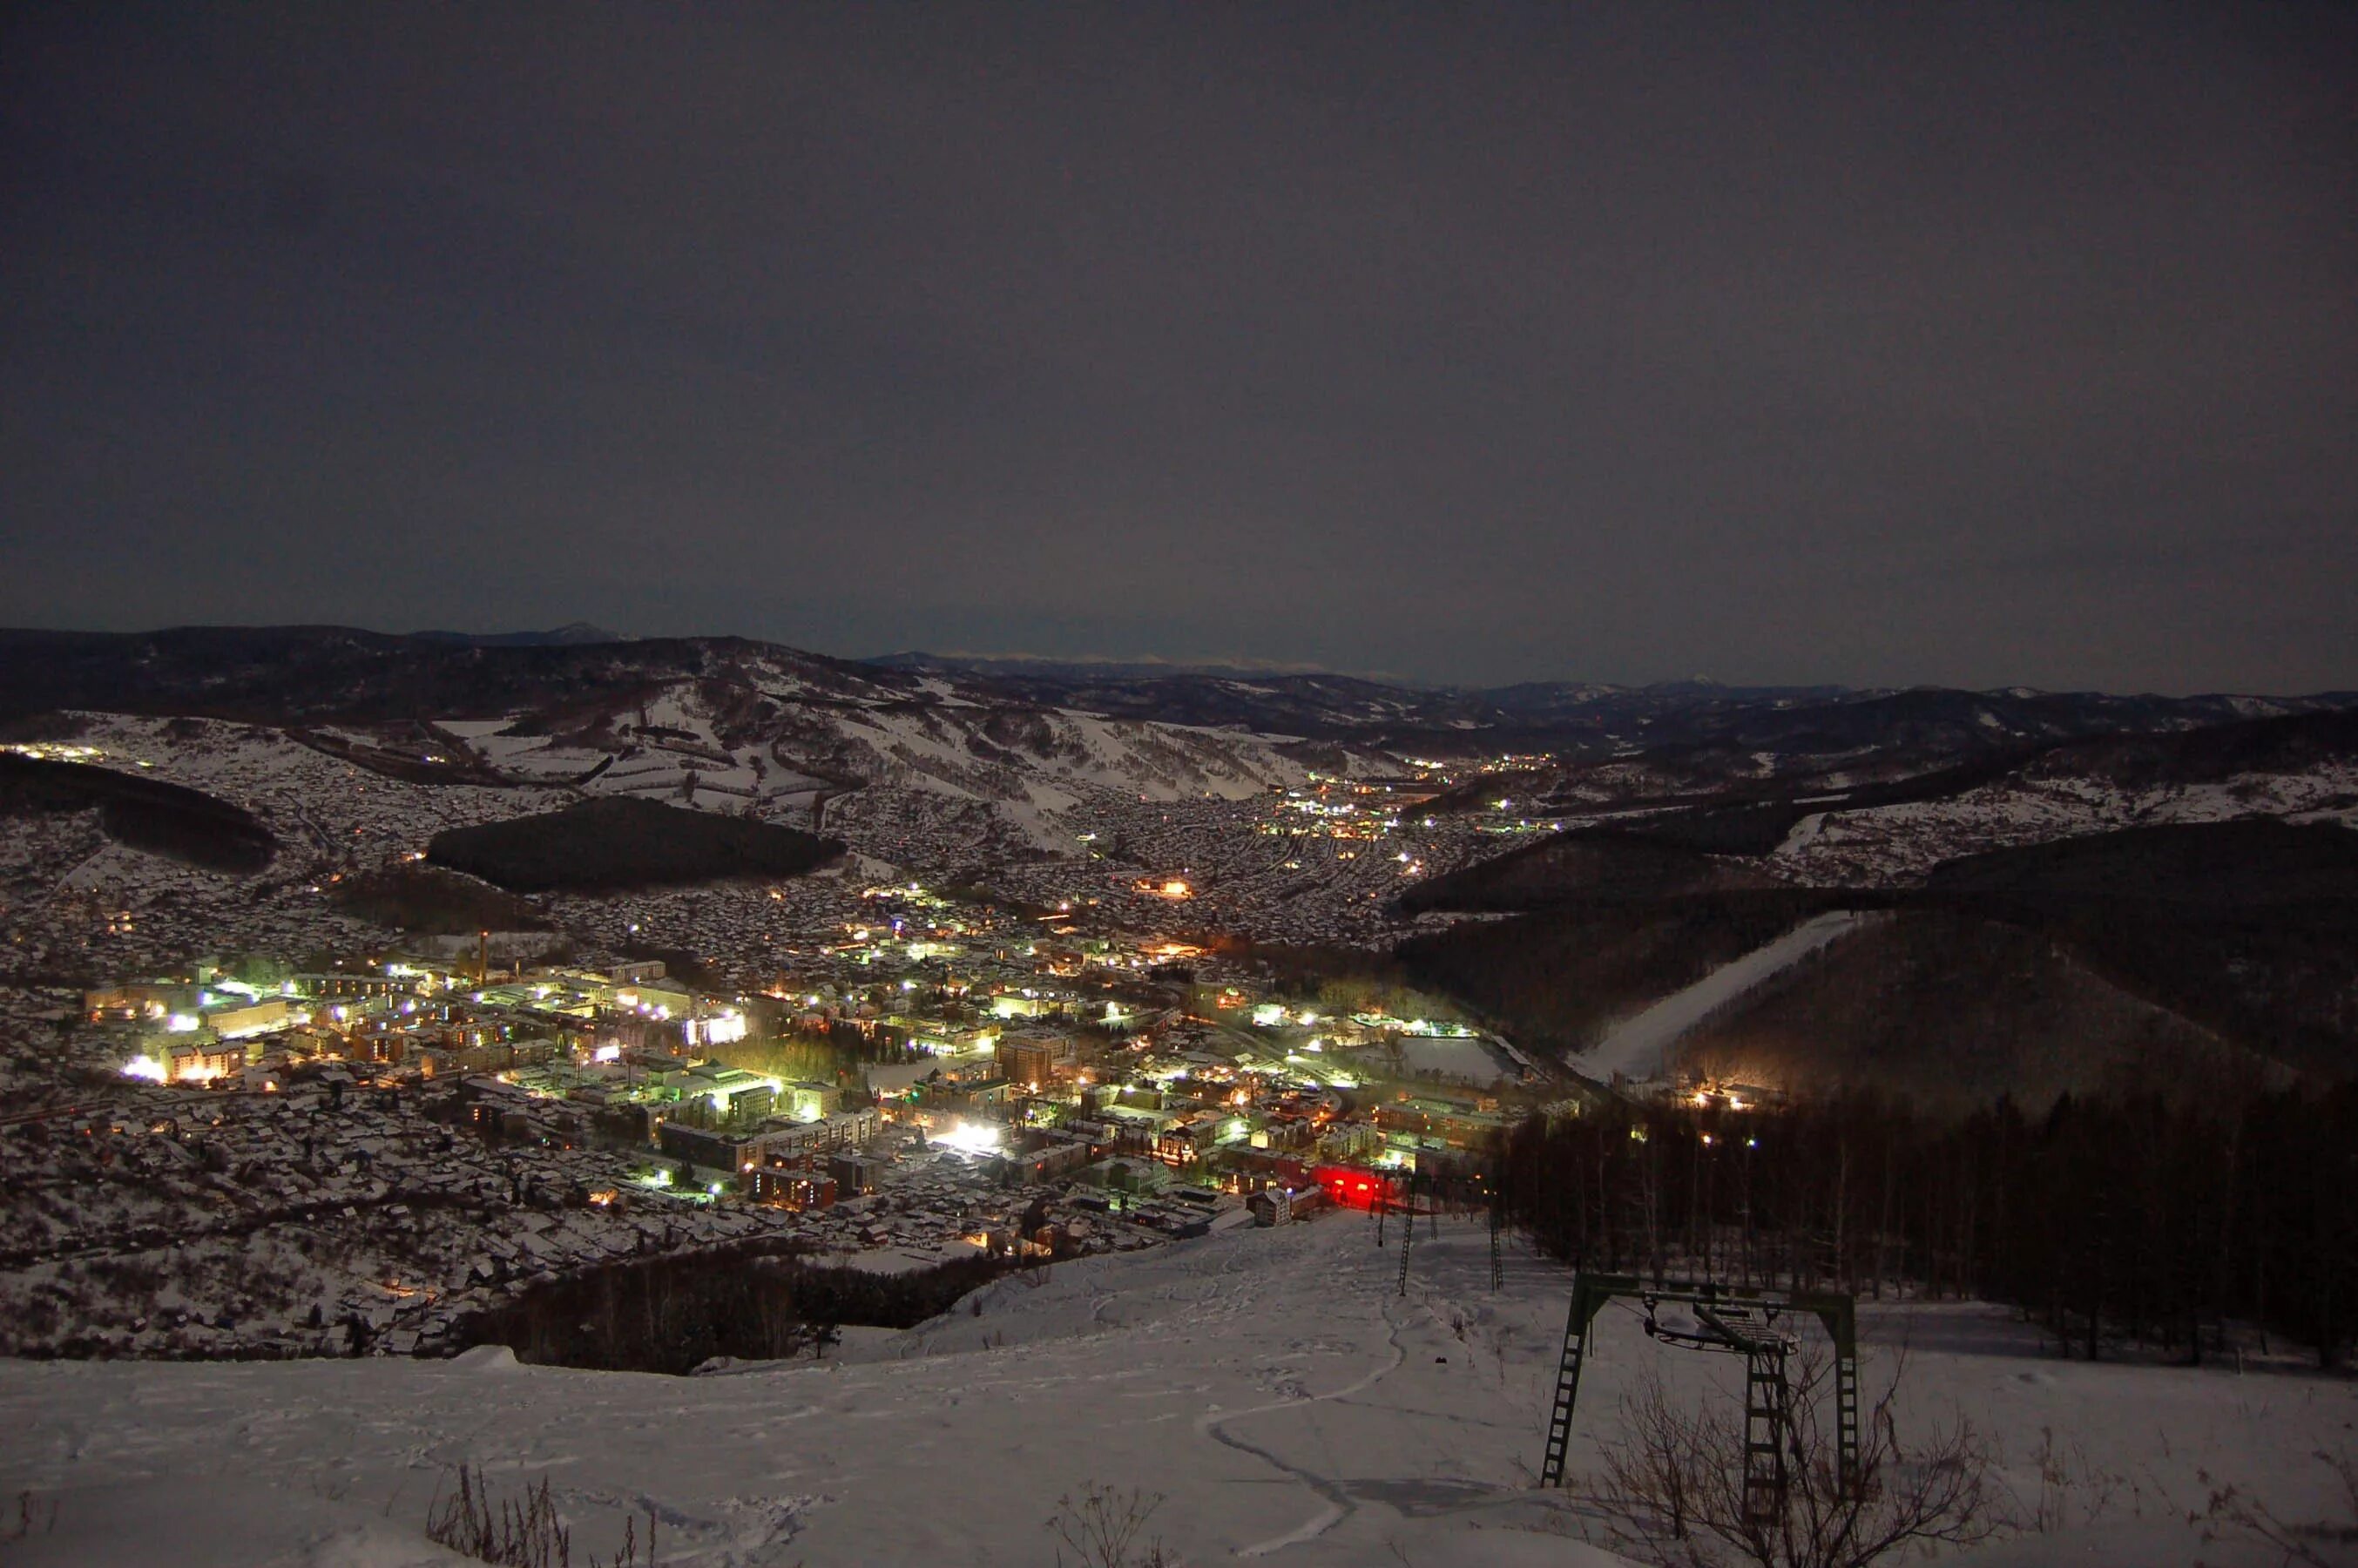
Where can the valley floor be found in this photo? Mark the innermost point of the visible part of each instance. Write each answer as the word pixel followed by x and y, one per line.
pixel 1272 1385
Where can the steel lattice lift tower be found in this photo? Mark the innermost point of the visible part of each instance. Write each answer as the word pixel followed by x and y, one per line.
pixel 1408 1235
pixel 1499 1233
pixel 1739 1321
pixel 1384 1204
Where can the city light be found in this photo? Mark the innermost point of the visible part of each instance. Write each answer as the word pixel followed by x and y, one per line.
pixel 970 1138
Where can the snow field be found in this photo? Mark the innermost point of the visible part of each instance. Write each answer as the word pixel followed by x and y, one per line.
pixel 1288 1403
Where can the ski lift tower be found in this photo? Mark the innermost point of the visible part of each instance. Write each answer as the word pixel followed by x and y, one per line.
pixel 1498 1230
pixel 1739 1322
pixel 1410 1212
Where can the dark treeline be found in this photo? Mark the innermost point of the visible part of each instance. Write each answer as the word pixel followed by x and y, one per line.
pixel 144 813
pixel 671 1315
pixel 427 898
pixel 2112 1220
pixel 614 842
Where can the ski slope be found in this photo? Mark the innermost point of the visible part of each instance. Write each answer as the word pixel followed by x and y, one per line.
pixel 1637 1047
pixel 1290 1405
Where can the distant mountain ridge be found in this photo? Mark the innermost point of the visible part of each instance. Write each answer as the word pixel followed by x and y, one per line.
pixel 571 633
pixel 323 673
pixel 1053 668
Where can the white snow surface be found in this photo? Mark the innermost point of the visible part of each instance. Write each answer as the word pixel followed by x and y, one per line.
pixel 1464 1060
pixel 1896 845
pixel 1272 1385
pixel 1636 1046
pixel 1038 768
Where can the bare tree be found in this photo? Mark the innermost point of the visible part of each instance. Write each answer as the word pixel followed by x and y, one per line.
pixel 1672 1490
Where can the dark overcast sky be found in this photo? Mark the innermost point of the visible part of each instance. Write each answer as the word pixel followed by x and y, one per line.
pixel 1959 343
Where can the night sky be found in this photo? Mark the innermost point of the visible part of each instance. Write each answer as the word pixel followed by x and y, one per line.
pixel 1967 344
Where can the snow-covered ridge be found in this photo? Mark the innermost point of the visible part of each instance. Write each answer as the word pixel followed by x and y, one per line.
pixel 1899 845
pixel 771 751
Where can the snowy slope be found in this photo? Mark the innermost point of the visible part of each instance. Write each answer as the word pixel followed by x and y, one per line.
pixel 771 747
pixel 1635 1048
pixel 318 806
pixel 1271 1384
pixel 1897 845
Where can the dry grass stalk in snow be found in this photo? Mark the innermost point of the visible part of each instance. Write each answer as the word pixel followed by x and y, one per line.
pixel 512 1533
pixel 1101 1527
pixel 2233 1515
pixel 33 1516
pixel 2073 1489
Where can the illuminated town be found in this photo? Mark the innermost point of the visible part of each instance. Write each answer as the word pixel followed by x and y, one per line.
pixel 927 1080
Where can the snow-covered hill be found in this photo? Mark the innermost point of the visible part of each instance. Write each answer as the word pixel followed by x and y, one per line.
pixel 931 782
pixel 2046 799
pixel 761 744
pixel 1272 1385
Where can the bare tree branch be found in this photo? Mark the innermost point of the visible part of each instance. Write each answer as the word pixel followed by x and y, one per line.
pixel 1672 1488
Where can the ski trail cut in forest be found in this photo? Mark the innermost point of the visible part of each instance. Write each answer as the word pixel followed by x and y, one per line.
pixel 1636 1047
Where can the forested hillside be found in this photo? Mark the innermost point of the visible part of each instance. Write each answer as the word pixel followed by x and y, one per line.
pixel 2131 1220
pixel 618 842
pixel 2184 955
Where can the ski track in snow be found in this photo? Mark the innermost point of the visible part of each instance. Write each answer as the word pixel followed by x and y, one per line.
pixel 1214 1424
